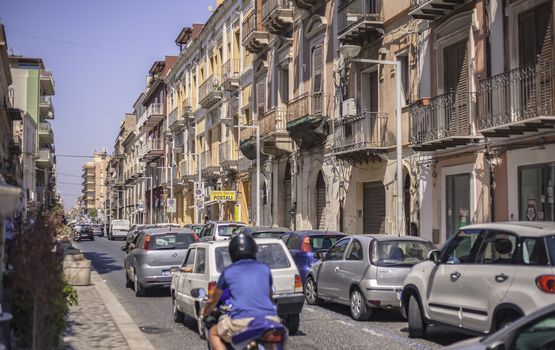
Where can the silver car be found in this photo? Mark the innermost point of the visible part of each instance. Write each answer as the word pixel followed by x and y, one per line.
pixel 151 256
pixel 219 230
pixel 365 272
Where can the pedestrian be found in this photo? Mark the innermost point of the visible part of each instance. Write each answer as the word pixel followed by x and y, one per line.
pixel 8 233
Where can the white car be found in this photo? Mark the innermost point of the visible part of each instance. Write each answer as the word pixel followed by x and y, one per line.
pixel 208 259
pixel 219 230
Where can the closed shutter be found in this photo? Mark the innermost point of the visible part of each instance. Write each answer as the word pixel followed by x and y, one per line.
pixel 373 208
pixel 320 200
pixel 317 69
pixel 260 96
pixel 455 71
pixel 287 197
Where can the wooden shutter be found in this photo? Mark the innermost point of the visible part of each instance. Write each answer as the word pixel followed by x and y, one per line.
pixel 260 97
pixel 455 113
pixel 320 200
pixel 374 91
pixel 317 65
pixel 373 208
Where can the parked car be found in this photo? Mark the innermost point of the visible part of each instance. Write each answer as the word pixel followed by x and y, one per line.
pixel 262 231
pixel 218 230
pixel 119 229
pixel 151 256
pixel 365 272
pixel 535 331
pixel 304 245
pixel 207 260
pixel 195 227
pixel 97 230
pixel 162 224
pixel 485 277
pixel 84 231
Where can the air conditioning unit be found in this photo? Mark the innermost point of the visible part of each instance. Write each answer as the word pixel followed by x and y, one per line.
pixel 349 108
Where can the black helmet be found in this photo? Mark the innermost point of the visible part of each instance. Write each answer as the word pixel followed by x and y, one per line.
pixel 242 246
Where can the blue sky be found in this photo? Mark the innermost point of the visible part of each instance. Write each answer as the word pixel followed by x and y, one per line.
pixel 99 52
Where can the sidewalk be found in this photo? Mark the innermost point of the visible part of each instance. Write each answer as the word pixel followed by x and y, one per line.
pixel 100 322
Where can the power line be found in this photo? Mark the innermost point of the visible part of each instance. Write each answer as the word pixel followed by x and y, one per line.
pixel 72 156
pixel 69 183
pixel 56 172
pixel 90 46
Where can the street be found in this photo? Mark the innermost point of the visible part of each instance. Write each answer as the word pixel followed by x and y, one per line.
pixel 322 327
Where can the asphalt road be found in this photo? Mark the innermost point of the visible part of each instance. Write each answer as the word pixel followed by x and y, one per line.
pixel 322 327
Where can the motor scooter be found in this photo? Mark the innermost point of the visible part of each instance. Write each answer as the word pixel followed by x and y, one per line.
pixel 260 334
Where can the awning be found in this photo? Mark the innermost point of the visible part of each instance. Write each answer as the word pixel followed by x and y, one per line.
pixel 309 131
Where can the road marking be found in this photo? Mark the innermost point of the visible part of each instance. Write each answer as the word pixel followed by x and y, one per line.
pixel 132 334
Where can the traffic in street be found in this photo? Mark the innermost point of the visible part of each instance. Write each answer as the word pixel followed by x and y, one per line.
pixel 328 326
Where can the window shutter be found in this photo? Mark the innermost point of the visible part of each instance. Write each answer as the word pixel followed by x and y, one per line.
pixel 456 119
pixel 260 97
pixel 317 65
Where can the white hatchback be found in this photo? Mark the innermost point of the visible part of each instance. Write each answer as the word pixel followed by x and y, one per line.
pixel 204 263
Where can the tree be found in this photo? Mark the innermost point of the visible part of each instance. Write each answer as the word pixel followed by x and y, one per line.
pixel 93 214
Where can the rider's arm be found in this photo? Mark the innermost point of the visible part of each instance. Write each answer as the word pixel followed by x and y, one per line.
pixel 212 302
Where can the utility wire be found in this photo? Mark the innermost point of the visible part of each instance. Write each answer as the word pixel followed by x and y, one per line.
pixel 90 46
pixel 69 183
pixel 56 172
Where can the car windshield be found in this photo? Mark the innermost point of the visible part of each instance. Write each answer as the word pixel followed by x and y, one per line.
pixel 227 230
pixel 170 240
pixel 271 254
pixel 323 243
pixel 400 253
pixel 196 229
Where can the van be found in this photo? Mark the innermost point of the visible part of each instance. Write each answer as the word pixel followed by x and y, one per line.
pixel 119 229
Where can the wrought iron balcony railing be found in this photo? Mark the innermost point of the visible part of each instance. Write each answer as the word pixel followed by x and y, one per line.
pixel 363 131
pixel 307 104
pixel 255 37
pixel 352 13
pixel 442 116
pixel 273 121
pixel 210 90
pixel 517 95
pixel 231 70
pixel 277 15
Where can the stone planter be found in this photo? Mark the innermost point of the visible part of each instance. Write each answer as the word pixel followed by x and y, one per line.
pixel 77 270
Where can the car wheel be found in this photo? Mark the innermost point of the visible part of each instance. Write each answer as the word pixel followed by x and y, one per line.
pixel 359 310
pixel 178 316
pixel 505 321
pixel 311 292
pixel 139 290
pixel 292 323
pixel 128 282
pixel 417 327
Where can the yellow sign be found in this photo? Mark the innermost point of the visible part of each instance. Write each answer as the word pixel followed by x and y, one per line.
pixel 222 196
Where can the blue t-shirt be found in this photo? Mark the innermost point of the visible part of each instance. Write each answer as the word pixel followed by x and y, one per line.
pixel 249 283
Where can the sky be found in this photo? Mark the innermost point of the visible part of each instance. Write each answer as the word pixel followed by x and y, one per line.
pixel 99 52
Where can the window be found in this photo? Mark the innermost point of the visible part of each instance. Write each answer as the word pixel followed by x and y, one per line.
pixel 355 250
pixel 536 187
pixel 200 266
pixel 272 255
pixel 404 59
pixel 400 253
pixel 284 85
pixel 317 69
pixel 533 252
pixel 284 238
pixel 293 242
pixel 260 96
pixel 459 249
pixel 226 230
pixel 190 259
pixel 139 239
pixel 457 202
pixel 539 334
pixel 170 241
pixel 498 248
pixel 323 243
pixel 336 252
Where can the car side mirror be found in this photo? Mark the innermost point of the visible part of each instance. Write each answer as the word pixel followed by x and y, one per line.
pixel 123 248
pixel 319 256
pixel 198 293
pixel 174 269
pixel 433 256
pixel 187 269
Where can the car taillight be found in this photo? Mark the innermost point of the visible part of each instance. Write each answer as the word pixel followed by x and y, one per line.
pixel 546 283
pixel 305 246
pixel 146 242
pixel 211 289
pixel 298 284
pixel 272 336
pixel 196 237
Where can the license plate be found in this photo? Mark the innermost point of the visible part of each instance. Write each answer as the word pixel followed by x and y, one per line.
pixel 166 273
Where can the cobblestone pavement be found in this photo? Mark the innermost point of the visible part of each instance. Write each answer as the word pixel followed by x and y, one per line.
pixel 90 324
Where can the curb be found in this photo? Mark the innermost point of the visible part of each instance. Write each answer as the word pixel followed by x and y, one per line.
pixel 133 336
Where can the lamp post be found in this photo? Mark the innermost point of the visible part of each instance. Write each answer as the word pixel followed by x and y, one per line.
pixel 150 179
pixel 257 220
pixel 349 52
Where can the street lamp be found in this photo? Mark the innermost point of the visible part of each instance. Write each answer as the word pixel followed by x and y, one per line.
pixel 150 179
pixel 257 168
pixel 349 52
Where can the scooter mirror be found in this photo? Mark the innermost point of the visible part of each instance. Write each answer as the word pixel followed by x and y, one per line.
pixel 198 293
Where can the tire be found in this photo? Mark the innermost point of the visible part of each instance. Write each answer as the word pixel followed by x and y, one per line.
pixel 128 282
pixel 417 327
pixel 178 316
pixel 139 290
pixel 504 321
pixel 292 323
pixel 311 292
pixel 358 307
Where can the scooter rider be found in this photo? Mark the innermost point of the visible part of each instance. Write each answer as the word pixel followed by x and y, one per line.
pixel 249 283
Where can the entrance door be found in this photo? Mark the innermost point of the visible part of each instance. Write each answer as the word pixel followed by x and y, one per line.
pixel 320 200
pixel 536 192
pixel 373 208
pixel 457 202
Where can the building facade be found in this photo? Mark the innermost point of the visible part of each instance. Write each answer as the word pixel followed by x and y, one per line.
pixel 94 190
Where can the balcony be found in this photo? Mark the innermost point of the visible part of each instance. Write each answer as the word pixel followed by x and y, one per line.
pixel 359 20
pixel 247 141
pixel 188 106
pixel 442 121
pixel 46 108
pixel 228 154
pixel 361 137
pixel 255 38
pixel 45 133
pixel 277 15
pixel 45 159
pixel 187 169
pixel 231 72
pixel 273 132
pixel 153 115
pixel 14 146
pixel 433 9
pixel 151 150
pixel 175 121
pixel 210 162
pixel 46 82
pixel 210 92
pixel 518 101
pixel 307 119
